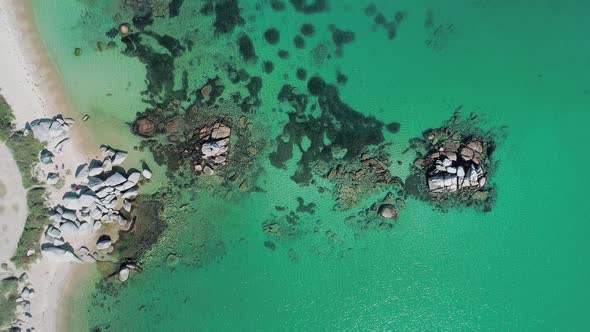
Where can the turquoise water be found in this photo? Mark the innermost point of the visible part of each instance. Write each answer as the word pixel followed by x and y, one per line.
pixel 520 64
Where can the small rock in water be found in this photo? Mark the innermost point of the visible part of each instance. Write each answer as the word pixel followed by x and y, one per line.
pixel 86 117
pixel 77 51
pixel 124 274
pixel 147 173
pixel 388 211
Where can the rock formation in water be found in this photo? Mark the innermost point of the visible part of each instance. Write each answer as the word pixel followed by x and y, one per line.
pixel 454 165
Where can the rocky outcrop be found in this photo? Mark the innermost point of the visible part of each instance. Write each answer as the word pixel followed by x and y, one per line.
pixel 54 132
pixel 456 166
pixel 213 148
pixel 103 195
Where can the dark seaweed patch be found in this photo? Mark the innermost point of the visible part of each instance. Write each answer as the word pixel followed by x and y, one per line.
pixel 168 42
pixel 159 66
pixel 272 36
pixel 341 78
pixel 142 21
pixel 371 10
pixel 301 74
pixel 227 16
pixel 246 48
pixel 283 54
pixel 299 42
pixel 342 37
pixel 277 5
pixel 310 6
pixel 307 30
pixel 344 127
pixel 316 86
pixel 268 67
pixel 174 7
pixel 236 76
pixel 305 208
pixel 393 127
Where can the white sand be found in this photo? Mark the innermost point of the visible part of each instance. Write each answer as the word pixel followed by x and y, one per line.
pixel 31 85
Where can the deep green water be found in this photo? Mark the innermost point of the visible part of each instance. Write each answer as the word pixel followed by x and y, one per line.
pixel 523 266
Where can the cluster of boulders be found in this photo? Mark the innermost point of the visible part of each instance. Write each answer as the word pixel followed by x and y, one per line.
pixel 54 132
pixel 102 195
pixel 456 166
pixel 212 148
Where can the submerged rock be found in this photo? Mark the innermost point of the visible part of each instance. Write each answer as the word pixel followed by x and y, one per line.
pixel 388 211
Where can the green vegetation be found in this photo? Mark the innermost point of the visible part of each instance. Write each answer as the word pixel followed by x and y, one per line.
pixel 6 118
pixel 25 150
pixel 37 219
pixel 8 295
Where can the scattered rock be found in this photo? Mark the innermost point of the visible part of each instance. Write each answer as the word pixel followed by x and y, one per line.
pixel 104 242
pixel 388 211
pixel 46 157
pixel 52 178
pixel 124 274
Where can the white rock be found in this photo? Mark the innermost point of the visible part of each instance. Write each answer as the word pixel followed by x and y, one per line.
pixel 30 252
pixel 95 183
pixel 107 165
pixel 54 232
pixel 85 228
pixel 87 200
pixel 125 186
pixel 104 192
pixel 69 215
pixel 147 173
pixel 59 254
pixel 210 149
pixel 451 170
pixel 115 179
pixel 447 162
pixel 107 151
pixel 134 177
pixel 68 227
pixel 208 170
pixel 104 242
pixel 460 172
pixel 71 202
pixel 124 274
pixel 119 158
pixel 52 178
pixel 58 242
pixel 131 193
pixel 97 225
pixel 127 205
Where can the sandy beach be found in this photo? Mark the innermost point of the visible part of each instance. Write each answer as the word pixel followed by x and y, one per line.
pixel 31 85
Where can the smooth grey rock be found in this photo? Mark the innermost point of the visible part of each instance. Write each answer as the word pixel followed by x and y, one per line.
pixel 54 232
pixel 107 165
pixel 87 200
pixel 69 215
pixel 119 158
pixel 134 177
pixel 131 193
pixel 124 274
pixel 71 202
pixel 115 180
pixel 104 242
pixel 59 254
pixel 46 157
pixel 95 183
pixel 68 227
pixel 147 173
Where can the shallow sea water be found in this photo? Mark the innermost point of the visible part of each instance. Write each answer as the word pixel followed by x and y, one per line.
pixel 523 266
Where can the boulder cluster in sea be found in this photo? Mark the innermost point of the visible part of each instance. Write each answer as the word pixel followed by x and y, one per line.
pixel 212 149
pixel 103 195
pixel 454 165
